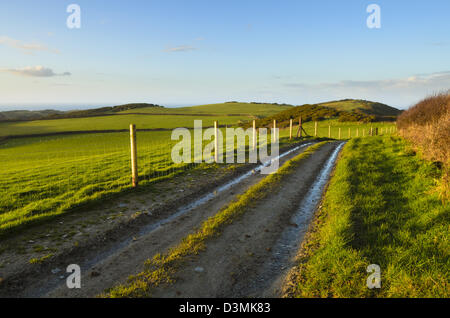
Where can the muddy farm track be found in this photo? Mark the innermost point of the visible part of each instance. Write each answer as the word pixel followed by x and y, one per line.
pixel 250 258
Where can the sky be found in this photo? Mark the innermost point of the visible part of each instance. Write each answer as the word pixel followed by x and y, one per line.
pixel 189 52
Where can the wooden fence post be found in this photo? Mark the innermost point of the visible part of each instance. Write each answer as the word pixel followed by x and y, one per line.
pixel 290 129
pixel 357 132
pixel 339 133
pixel 349 133
pixel 254 134
pixel 315 129
pixel 274 135
pixel 329 131
pixel 216 141
pixel 134 167
pixel 299 132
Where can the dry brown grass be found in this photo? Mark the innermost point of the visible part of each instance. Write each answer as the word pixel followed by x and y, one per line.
pixel 427 126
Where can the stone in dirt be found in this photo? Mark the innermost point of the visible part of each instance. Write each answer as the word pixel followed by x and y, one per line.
pixel 56 270
pixel 95 274
pixel 199 269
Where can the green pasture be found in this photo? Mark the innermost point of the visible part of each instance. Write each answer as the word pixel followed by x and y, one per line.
pixel 116 122
pixel 45 176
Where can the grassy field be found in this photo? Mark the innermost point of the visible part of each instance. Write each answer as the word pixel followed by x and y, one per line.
pixel 381 208
pixel 42 177
pixel 45 176
pixel 220 112
pixel 116 122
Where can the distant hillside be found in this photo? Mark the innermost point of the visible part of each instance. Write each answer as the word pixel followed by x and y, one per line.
pixel 25 115
pixel 257 110
pixel 308 113
pixel 228 109
pixel 254 109
pixel 378 110
pixel 345 111
pixel 103 111
pixel 20 115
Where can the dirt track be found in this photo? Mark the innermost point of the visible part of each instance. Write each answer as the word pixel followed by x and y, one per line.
pixel 246 260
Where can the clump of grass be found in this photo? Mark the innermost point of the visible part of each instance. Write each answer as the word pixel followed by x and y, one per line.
pixel 377 210
pixel 161 268
pixel 40 260
pixel 38 248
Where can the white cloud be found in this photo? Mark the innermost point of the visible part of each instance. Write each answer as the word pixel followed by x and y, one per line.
pixel 439 43
pixel 27 48
pixel 35 71
pixel 397 91
pixel 438 80
pixel 181 48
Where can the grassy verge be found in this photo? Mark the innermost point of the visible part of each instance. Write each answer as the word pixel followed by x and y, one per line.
pixel 380 208
pixel 162 268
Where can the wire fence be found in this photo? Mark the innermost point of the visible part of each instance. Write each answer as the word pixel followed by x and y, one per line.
pixel 45 176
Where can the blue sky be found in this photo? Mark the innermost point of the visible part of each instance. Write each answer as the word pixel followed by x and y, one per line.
pixel 195 52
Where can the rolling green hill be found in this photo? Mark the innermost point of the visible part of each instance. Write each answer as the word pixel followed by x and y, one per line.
pixel 229 108
pixel 364 107
pixel 145 116
pixel 15 115
pixel 109 123
pixel 103 111
pixel 24 115
pixel 150 116
pixel 348 110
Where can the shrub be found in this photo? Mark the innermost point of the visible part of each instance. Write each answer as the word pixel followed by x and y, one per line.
pixel 427 126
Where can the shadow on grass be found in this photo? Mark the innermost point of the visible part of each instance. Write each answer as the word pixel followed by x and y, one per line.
pixel 381 208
